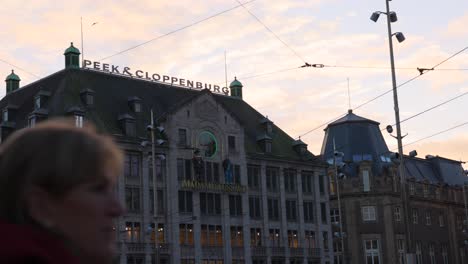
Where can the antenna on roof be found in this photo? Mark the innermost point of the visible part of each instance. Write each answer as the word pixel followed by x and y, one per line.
pixel 349 96
pixel 225 68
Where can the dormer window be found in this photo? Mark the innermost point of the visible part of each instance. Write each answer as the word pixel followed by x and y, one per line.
pixel 5 115
pixel 78 115
pixel 32 121
pixel 135 104
pixel 37 102
pixel 78 120
pixel 127 123
pixel 267 125
pixel 87 97
pixel 265 143
pixel 41 98
pixel 268 146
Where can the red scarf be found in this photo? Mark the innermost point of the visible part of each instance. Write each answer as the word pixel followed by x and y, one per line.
pixel 21 244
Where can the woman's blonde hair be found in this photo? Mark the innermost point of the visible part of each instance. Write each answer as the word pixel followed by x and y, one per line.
pixel 56 156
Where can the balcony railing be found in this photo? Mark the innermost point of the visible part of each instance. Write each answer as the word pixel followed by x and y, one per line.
pixel 210 252
pixel 258 251
pixel 135 247
pixel 277 251
pixel 313 252
pixel 296 252
pixel 238 252
pixel 187 251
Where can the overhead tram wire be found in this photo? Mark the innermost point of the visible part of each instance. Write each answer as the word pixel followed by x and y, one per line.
pixel 402 84
pixel 271 31
pixel 431 108
pixel 438 133
pixel 176 30
pixel 19 68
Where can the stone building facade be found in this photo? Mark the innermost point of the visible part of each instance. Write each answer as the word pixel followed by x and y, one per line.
pixel 229 186
pixel 372 211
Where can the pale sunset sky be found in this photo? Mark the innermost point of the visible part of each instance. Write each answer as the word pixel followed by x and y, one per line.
pixel 335 33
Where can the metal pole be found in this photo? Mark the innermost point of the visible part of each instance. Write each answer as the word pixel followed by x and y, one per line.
pixel 339 206
pixel 466 206
pixel 82 49
pixel 399 139
pixel 155 191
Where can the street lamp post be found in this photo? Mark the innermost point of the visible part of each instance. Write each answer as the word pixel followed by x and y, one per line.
pixel 391 17
pixel 153 164
pixel 335 155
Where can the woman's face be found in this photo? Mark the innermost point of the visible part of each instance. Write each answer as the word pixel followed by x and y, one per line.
pixel 85 217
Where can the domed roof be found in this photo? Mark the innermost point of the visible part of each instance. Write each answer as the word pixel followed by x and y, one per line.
pixel 12 77
pixel 235 83
pixel 72 49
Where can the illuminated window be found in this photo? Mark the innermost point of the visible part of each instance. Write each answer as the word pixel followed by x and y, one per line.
pixel 293 239
pixel 186 234
pixel 255 237
pixel 274 237
pixel 237 237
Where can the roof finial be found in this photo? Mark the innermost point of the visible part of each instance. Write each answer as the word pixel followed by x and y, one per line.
pixel 71 43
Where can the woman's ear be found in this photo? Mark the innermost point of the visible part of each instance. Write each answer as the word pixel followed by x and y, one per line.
pixel 40 206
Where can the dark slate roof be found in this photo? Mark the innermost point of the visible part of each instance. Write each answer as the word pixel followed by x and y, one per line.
pixel 111 102
pixel 358 138
pixel 357 135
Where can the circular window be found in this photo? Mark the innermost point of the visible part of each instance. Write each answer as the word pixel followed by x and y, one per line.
pixel 207 144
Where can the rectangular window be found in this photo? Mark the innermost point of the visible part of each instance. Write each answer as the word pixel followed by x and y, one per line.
pixel 291 210
pixel 293 239
pixel 411 188
pixel 418 253
pixel 132 199
pixel 160 201
pixel 401 251
pixel 371 251
pixel 32 121
pixel 211 172
pixel 428 218
pixel 237 236
pixel 272 179
pixel 323 212
pixel 274 237
pixel 132 231
pixel 78 120
pixel 210 203
pixel 397 213
pixel 236 174
pixel 368 213
pixel 151 201
pixel 432 253
pixel 309 211
pixel 335 216
pixel 37 102
pixel 5 115
pixel 289 180
pixel 322 184
pixel 231 143
pixel 366 180
pixel 255 237
pixel 425 190
pixel 211 235
pixel 310 239
pixel 132 166
pixel 182 139
pixel 186 234
pixel 441 220
pixel 253 177
pixel 273 209
pixel 445 254
pixel 415 216
pixel 307 182
pixel 255 208
pixel 235 205
pixel 325 241
pixel 184 169
pixel 185 202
